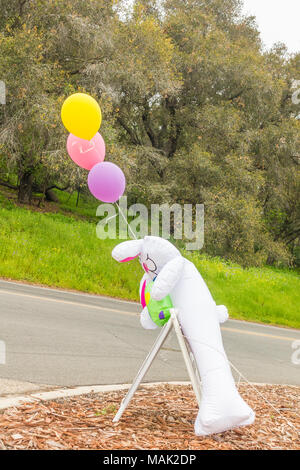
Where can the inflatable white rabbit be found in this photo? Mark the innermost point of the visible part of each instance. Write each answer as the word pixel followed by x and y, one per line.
pixel 222 407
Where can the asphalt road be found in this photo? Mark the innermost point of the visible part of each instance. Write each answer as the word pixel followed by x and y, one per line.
pixel 65 339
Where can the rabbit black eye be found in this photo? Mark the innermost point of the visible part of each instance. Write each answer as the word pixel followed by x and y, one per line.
pixel 151 264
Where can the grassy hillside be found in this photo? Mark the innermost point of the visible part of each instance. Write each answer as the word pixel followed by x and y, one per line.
pixel 60 249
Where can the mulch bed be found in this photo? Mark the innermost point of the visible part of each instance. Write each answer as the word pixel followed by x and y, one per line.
pixel 159 417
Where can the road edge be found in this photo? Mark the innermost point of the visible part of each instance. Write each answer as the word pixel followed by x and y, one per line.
pixel 14 402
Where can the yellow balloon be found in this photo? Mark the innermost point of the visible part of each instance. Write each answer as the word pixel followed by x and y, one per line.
pixel 81 115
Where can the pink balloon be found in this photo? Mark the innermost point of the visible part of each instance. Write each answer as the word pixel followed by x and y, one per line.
pixel 86 153
pixel 106 182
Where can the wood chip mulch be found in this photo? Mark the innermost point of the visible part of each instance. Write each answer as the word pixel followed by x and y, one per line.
pixel 157 418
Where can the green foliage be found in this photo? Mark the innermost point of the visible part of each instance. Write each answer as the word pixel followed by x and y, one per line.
pixel 265 295
pixel 194 112
pixel 86 207
pixel 63 251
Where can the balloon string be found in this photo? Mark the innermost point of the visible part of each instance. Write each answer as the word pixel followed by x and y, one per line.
pixel 125 218
pixel 112 217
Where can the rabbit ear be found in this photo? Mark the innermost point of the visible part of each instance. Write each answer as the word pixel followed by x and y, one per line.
pixel 167 278
pixel 127 251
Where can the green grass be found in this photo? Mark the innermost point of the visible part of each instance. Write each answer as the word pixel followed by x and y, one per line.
pixel 63 251
pixel 86 208
pixel 265 295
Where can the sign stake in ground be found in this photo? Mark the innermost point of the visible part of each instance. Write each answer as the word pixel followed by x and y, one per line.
pixel 187 356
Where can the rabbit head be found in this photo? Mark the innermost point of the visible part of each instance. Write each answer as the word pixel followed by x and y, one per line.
pixel 158 257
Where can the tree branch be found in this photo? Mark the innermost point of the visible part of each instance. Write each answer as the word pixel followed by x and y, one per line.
pixel 149 131
pixel 54 186
pixel 8 185
pixel 130 131
pixel 176 129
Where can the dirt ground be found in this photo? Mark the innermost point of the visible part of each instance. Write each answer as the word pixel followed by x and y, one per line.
pixel 157 418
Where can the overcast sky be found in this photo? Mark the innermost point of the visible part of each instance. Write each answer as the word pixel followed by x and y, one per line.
pixel 278 20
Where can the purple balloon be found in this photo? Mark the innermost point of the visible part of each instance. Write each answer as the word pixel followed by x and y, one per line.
pixel 106 182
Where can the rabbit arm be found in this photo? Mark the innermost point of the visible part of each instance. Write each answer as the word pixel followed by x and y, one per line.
pixel 167 278
pixel 146 320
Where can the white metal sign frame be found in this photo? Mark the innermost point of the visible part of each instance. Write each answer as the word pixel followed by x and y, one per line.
pixel 187 355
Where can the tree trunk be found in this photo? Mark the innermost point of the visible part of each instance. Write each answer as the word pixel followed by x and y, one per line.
pixel 51 196
pixel 78 193
pixel 25 188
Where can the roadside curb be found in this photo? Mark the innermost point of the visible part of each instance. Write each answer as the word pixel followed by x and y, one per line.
pixel 11 402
